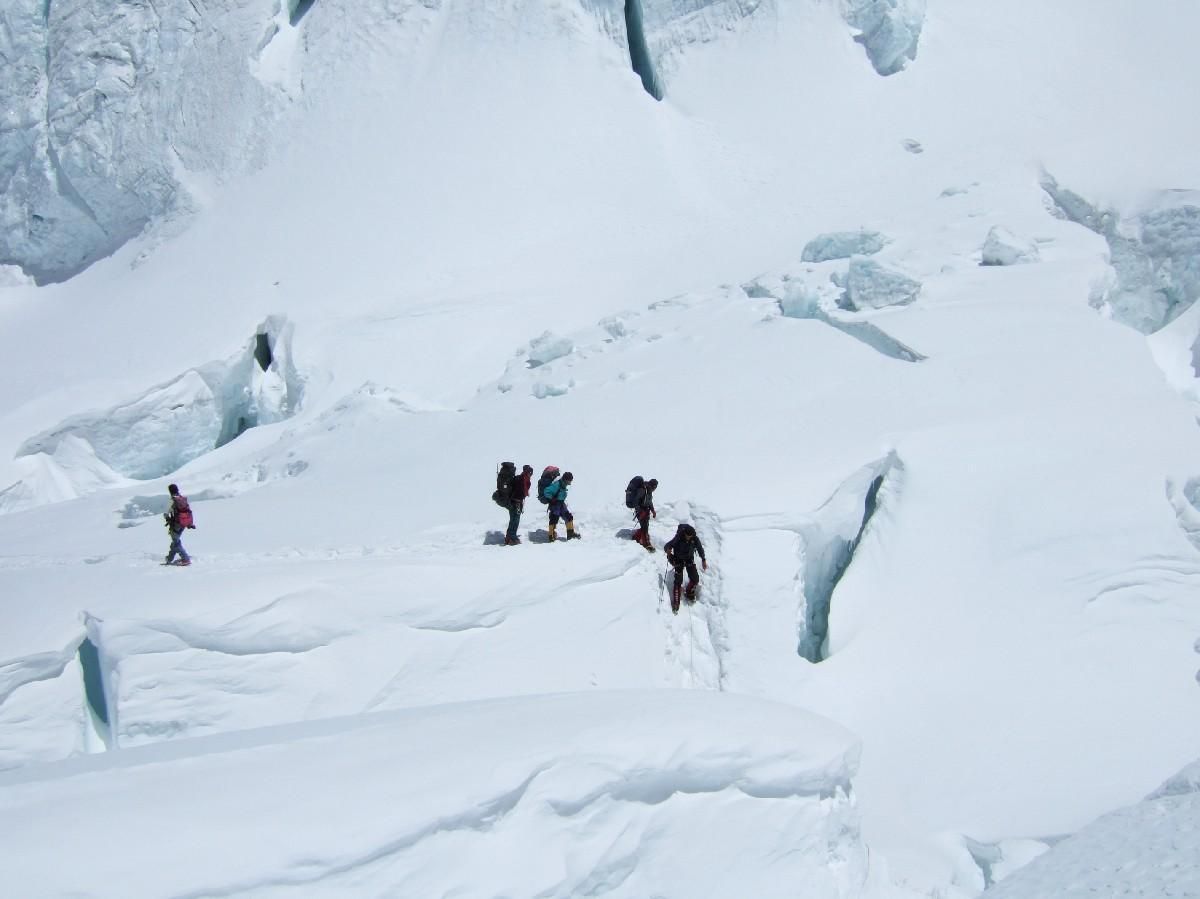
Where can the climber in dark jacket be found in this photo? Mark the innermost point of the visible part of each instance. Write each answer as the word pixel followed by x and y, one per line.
pixel 643 508
pixel 682 550
pixel 516 504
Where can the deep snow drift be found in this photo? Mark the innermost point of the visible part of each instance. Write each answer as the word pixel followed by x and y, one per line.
pixel 361 253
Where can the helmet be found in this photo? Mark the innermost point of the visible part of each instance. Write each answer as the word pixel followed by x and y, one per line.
pixel 526 469
pixel 568 476
pixel 652 483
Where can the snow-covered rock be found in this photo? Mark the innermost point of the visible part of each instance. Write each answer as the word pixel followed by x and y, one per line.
pixel 888 29
pixel 1002 247
pixel 842 245
pixel 637 793
pixel 1148 849
pixel 871 285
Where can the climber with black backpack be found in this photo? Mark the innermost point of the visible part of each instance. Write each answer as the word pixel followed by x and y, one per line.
pixel 178 518
pixel 639 496
pixel 510 493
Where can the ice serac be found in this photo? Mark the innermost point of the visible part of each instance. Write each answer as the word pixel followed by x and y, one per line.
pixel 889 30
pixel 1154 251
pixel 1148 849
pixel 871 285
pixel 1002 247
pixel 671 26
pixel 166 427
pixel 842 245
pixel 108 106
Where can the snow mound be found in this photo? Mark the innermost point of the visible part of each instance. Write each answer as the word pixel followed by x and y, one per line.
pixel 1002 247
pixel 166 427
pixel 842 245
pixel 1148 849
pixel 871 285
pixel 638 793
pixel 889 30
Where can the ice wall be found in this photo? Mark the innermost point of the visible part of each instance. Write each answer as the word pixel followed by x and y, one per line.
pixel 889 30
pixel 1154 251
pixel 108 108
pixel 164 428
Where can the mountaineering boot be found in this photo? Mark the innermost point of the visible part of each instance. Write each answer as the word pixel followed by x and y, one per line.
pixel 643 537
pixel 572 534
pixel 512 541
pixel 553 536
pixel 690 592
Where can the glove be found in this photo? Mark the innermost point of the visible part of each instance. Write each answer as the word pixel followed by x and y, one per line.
pixel 703 565
pixel 654 512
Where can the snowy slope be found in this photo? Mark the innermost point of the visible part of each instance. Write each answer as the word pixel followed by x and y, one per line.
pixel 951 507
pixel 1146 849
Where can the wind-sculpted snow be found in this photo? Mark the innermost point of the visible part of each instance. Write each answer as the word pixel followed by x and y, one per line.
pixel 623 793
pixel 110 107
pixel 889 30
pixel 1148 849
pixel 165 428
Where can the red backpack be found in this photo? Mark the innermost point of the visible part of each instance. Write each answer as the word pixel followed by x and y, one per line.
pixel 547 478
pixel 183 512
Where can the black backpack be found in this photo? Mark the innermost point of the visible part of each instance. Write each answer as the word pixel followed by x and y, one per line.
pixel 548 477
pixel 632 492
pixel 504 484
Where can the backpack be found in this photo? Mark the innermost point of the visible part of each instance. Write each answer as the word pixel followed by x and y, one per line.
pixel 183 513
pixel 632 492
pixel 549 476
pixel 502 495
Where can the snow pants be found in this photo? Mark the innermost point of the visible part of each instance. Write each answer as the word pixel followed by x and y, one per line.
pixel 559 510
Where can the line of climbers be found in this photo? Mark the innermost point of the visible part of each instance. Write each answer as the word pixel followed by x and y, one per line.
pixel 512 489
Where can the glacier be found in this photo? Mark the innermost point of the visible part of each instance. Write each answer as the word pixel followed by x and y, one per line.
pixel 340 259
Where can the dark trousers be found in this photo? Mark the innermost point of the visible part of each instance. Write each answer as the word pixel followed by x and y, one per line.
pixel 514 521
pixel 559 510
pixel 643 519
pixel 692 573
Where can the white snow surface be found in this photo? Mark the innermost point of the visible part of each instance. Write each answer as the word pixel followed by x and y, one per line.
pixel 961 531
pixel 608 793
pixel 1148 849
